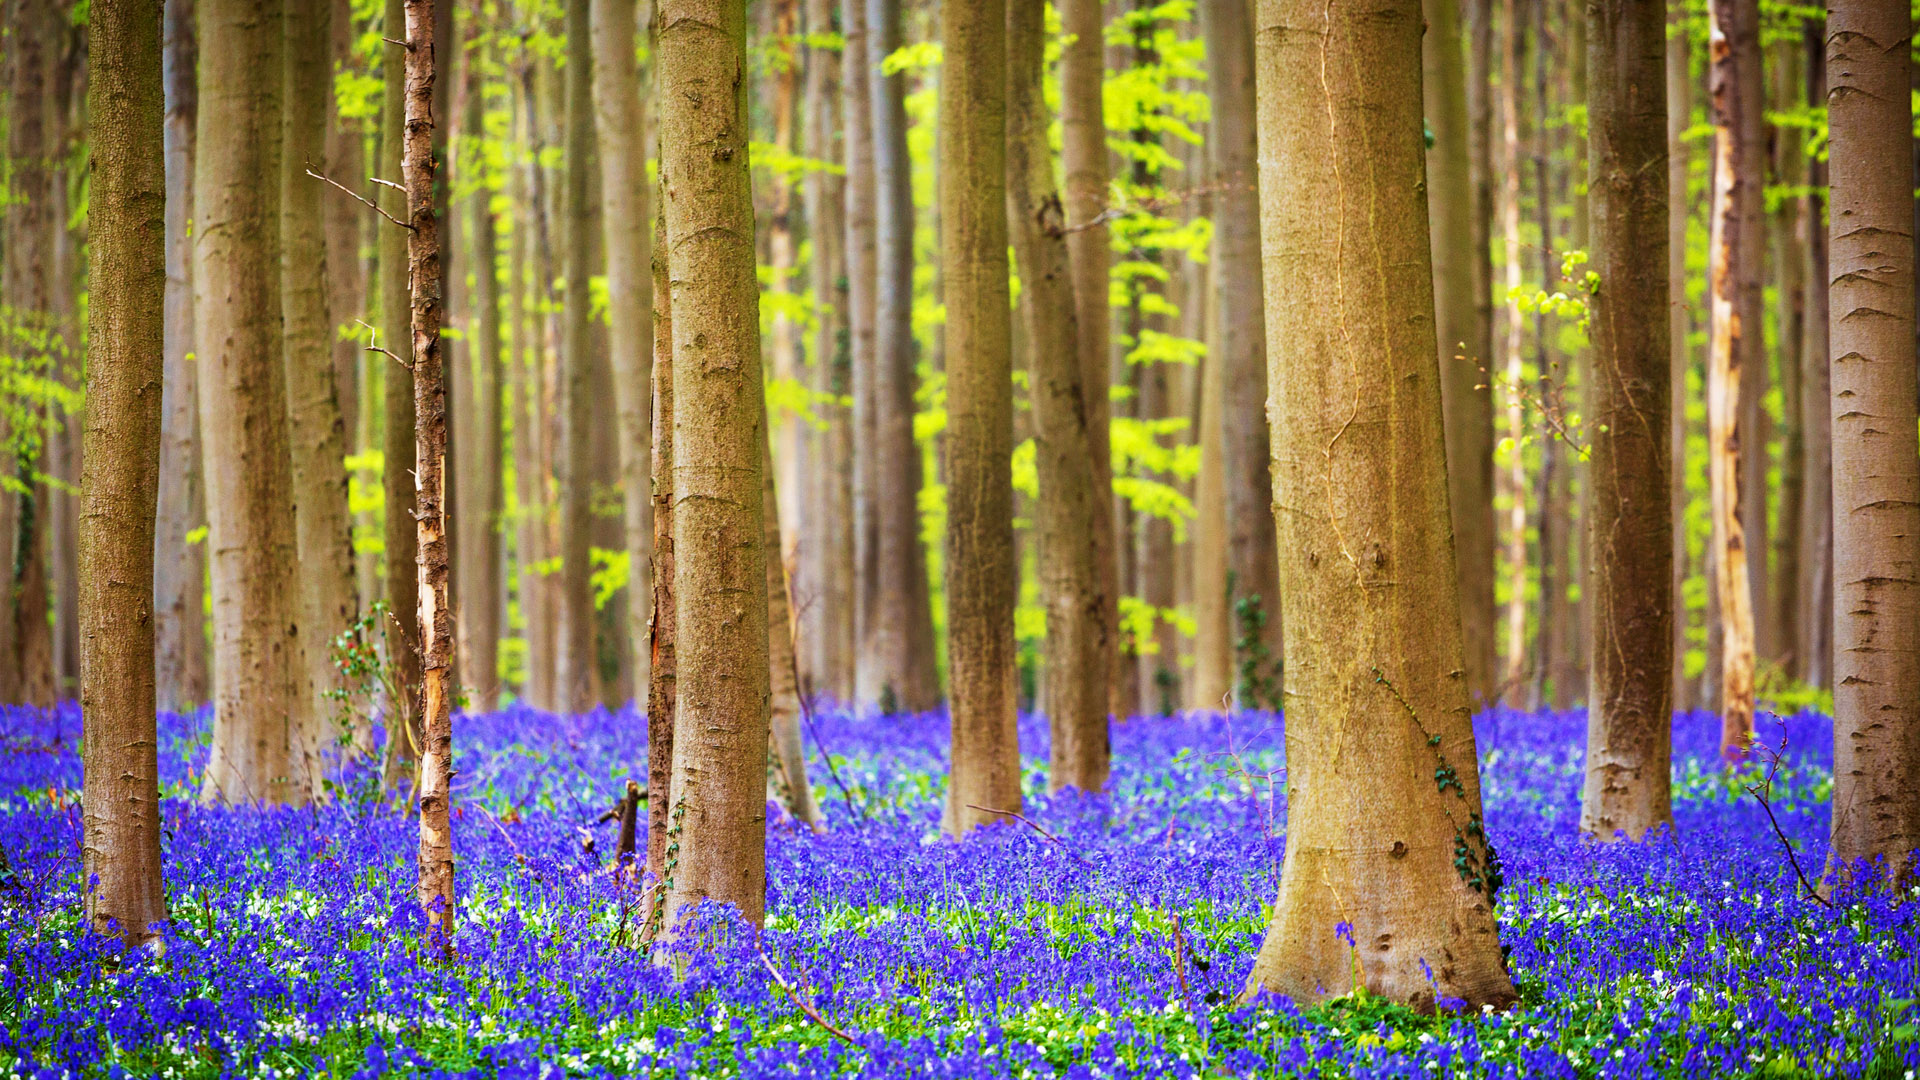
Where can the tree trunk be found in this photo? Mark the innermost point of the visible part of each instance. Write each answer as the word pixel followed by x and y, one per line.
pixel 324 528
pixel 529 265
pixel 826 577
pixel 482 522
pixel 1679 63
pixel 1377 836
pixel 628 223
pixel 574 662
pixel 27 291
pixel 346 222
pixel 179 567
pixel 1629 712
pixel 263 723
pixel 1463 383
pixel 1212 683
pixel 396 321
pixel 786 756
pixel 787 428
pixel 1876 462
pixel 863 254
pixel 1253 565
pixel 1815 618
pixel 661 688
pixel 1788 246
pixel 1077 652
pixel 985 783
pixel 1083 153
pixel 119 488
pixel 1517 668
pixel 1478 568
pixel 905 628
pixel 418 165
pixel 720 577
pixel 1734 257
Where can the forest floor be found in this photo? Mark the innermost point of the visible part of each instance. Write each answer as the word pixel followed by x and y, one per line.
pixel 294 946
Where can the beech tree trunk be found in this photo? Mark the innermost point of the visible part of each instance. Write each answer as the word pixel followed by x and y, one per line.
pixel 119 485
pixel 1517 667
pixel 1815 619
pixel 526 293
pixel 346 225
pixel 786 755
pixel 435 888
pixel 1457 314
pixel 718 820
pixel 1876 457
pixel 1629 713
pixel 628 224
pixel 263 709
pixel 28 291
pixel 985 780
pixel 1384 832
pixel 904 633
pixel 481 523
pixel 396 321
pixel 314 422
pixel 574 661
pixel 179 567
pixel 826 578
pixel 1734 256
pixel 1083 153
pixel 1077 651
pixel 1253 564
pixel 1679 64
pixel 1787 249
pixel 863 255
pixel 662 688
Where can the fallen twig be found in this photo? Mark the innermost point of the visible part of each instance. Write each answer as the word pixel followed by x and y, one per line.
pixel 812 1013
pixel 1036 827
pixel 1763 794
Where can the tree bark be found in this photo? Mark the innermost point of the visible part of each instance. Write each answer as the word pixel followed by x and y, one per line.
pixel 574 661
pixel 787 428
pixel 1679 64
pixel 1376 698
pixel 1458 246
pixel 1734 257
pixel 974 271
pixel 786 755
pixel 1815 618
pixel 904 633
pixel 1212 683
pixel 863 255
pixel 119 487
pixel 1788 248
pixel 482 522
pixel 324 528
pixel 1629 712
pixel 661 688
pixel 1083 152
pixel 346 223
pixel 404 734
pixel 1253 565
pixel 720 600
pixel 1077 652
pixel 628 223
pixel 531 266
pixel 1517 667
pixel 1876 459
pixel 263 722
pixel 28 292
pixel 435 890
pixel 179 567
pixel 826 578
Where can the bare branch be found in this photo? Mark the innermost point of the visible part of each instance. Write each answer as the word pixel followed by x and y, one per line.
pixel 1036 827
pixel 813 1014
pixel 361 198
pixel 374 345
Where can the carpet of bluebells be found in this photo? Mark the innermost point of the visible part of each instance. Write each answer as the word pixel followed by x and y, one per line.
pixel 1115 947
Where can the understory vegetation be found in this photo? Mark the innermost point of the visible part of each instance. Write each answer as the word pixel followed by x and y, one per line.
pixel 1101 937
